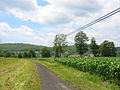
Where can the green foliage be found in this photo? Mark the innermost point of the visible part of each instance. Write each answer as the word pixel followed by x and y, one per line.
pixel 81 42
pixel 107 49
pixel 14 50
pixel 118 53
pixel 94 47
pixel 31 53
pixel 20 55
pixel 66 54
pixel 4 53
pixel 45 52
pixel 107 68
pixel 59 44
pixel 1 53
pixel 7 54
pixel 71 49
pixel 25 55
pixel 19 47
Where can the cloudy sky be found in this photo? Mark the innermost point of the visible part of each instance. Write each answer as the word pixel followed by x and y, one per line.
pixel 37 21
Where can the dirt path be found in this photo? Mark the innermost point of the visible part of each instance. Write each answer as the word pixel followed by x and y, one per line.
pixel 49 81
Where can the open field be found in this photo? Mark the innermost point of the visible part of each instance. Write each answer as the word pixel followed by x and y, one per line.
pixel 18 74
pixel 77 78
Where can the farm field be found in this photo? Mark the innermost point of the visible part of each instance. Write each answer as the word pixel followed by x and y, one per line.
pixel 18 74
pixel 108 68
pixel 81 73
pixel 83 77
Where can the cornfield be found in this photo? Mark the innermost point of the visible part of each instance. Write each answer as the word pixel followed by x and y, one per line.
pixel 108 68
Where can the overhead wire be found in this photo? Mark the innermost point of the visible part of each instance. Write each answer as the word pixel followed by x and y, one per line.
pixel 95 21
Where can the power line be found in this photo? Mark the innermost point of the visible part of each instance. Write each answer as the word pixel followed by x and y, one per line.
pixel 95 21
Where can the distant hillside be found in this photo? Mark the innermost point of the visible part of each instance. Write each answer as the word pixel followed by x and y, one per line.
pixel 25 47
pixel 19 47
pixel 118 48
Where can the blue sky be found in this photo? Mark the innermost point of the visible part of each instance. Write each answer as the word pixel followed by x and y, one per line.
pixel 38 21
pixel 42 3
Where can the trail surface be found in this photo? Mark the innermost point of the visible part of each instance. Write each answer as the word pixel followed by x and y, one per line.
pixel 49 81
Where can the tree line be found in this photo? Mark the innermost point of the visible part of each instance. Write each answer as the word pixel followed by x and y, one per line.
pixel 105 49
pixel 45 52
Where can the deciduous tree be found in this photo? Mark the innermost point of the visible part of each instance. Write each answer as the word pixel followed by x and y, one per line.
pixel 107 49
pixel 45 52
pixel 20 55
pixel 31 53
pixel 59 44
pixel 94 47
pixel 81 42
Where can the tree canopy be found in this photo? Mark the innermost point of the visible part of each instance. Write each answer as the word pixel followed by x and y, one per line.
pixel 107 49
pixel 94 47
pixel 81 42
pixel 59 44
pixel 45 52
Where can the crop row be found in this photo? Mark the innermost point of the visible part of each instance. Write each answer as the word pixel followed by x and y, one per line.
pixel 107 68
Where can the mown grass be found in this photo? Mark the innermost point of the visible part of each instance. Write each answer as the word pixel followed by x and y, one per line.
pixel 5 62
pixel 78 79
pixel 18 74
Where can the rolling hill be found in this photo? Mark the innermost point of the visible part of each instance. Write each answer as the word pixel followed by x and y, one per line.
pixel 118 48
pixel 25 47
pixel 19 47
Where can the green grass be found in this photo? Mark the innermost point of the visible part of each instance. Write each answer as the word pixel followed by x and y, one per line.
pixel 78 79
pixel 6 62
pixel 18 74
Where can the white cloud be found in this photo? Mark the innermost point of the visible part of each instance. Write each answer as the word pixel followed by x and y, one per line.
pixel 57 12
pixel 65 16
pixel 21 4
pixel 23 34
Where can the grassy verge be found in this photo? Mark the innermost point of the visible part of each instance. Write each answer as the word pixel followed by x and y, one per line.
pixel 78 79
pixel 20 74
